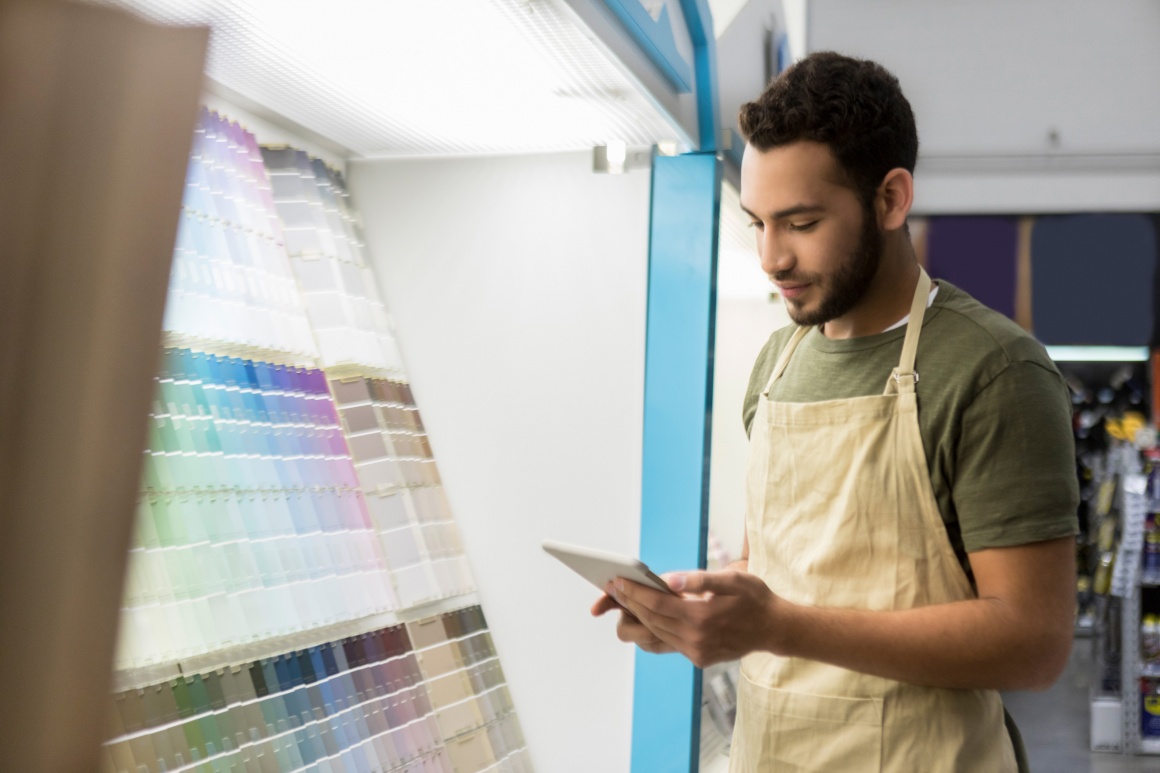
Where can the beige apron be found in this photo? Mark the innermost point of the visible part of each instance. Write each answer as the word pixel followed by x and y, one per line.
pixel 840 513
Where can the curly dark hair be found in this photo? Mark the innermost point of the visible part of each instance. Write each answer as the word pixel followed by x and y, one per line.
pixel 854 106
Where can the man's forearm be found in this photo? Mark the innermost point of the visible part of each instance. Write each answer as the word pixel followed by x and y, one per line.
pixel 979 643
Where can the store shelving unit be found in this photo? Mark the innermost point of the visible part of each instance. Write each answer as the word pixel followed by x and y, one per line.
pixel 1116 503
pixel 1136 507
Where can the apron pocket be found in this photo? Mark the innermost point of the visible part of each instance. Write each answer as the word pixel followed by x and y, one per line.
pixel 779 731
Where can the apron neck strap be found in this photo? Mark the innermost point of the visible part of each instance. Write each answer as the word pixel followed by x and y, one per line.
pixel 905 376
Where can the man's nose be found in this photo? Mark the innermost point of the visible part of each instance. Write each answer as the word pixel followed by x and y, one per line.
pixel 774 252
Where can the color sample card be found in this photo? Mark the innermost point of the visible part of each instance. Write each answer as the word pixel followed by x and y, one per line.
pixel 231 281
pixel 252 522
pixel 325 245
pixel 358 704
pixel 402 487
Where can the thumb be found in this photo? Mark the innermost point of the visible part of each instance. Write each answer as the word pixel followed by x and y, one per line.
pixel 701 582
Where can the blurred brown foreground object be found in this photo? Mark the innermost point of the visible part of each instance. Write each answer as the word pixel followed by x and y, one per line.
pixel 97 110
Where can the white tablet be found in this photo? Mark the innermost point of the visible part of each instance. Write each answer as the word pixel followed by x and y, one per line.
pixel 600 568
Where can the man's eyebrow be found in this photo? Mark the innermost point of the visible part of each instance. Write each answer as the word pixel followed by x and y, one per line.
pixel 797 209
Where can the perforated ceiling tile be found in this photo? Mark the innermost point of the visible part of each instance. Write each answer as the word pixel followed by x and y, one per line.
pixel 399 77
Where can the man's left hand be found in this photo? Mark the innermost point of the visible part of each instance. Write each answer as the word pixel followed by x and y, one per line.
pixel 719 616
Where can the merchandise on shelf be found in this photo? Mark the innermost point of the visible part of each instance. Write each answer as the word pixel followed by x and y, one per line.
pixel 1149 709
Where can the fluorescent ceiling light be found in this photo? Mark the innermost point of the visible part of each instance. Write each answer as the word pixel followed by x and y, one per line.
pixel 1098 353
pixel 617 152
pixel 436 77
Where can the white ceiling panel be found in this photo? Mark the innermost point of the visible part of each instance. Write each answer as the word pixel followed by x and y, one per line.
pixel 1013 79
pixel 391 78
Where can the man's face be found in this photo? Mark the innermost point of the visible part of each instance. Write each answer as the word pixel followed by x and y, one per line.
pixel 816 242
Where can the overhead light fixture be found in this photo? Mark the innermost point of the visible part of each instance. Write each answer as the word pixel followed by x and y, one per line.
pixel 617 152
pixel 617 157
pixel 377 79
pixel 1098 353
pixel 667 148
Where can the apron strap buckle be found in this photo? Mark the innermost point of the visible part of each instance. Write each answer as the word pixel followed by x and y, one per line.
pixel 899 376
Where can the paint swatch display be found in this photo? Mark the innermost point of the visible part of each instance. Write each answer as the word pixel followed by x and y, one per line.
pixel 231 284
pixel 290 504
pixel 326 251
pixel 251 523
pixel 469 697
pixel 403 490
pixel 383 429
pixel 429 696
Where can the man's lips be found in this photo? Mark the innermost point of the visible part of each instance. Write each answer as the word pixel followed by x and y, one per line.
pixel 791 290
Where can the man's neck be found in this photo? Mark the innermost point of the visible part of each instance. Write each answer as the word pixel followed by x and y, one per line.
pixel 888 300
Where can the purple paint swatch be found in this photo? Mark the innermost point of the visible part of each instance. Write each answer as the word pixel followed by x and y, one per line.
pixel 978 255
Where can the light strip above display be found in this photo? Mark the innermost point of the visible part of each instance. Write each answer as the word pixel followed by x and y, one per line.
pixel 425 78
pixel 1098 353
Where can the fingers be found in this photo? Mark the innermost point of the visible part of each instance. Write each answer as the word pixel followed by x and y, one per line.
pixel 603 604
pixel 606 604
pixel 695 583
pixel 630 597
pixel 638 598
pixel 631 631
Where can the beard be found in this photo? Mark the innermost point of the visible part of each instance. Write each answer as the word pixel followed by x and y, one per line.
pixel 842 290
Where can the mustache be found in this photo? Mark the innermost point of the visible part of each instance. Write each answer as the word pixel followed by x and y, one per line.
pixel 787 277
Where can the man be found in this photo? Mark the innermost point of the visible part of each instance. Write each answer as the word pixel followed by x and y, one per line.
pixel 911 494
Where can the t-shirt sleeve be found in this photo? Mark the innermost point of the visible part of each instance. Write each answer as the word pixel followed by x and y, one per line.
pixel 766 359
pixel 1015 479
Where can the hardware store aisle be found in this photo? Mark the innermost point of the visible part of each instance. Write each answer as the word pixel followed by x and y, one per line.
pixel 1055 724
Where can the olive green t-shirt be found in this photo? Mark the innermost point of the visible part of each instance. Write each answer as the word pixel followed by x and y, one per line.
pixel 993 411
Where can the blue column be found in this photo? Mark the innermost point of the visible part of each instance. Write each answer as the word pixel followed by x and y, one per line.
pixel 686 193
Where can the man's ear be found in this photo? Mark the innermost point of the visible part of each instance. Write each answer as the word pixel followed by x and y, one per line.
pixel 894 199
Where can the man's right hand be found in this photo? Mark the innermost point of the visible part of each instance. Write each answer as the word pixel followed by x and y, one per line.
pixel 629 629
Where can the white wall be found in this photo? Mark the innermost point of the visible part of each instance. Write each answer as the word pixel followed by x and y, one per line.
pixel 1022 105
pixel 518 288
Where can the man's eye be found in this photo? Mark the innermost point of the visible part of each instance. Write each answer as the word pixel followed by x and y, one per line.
pixel 757 225
pixel 803 226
